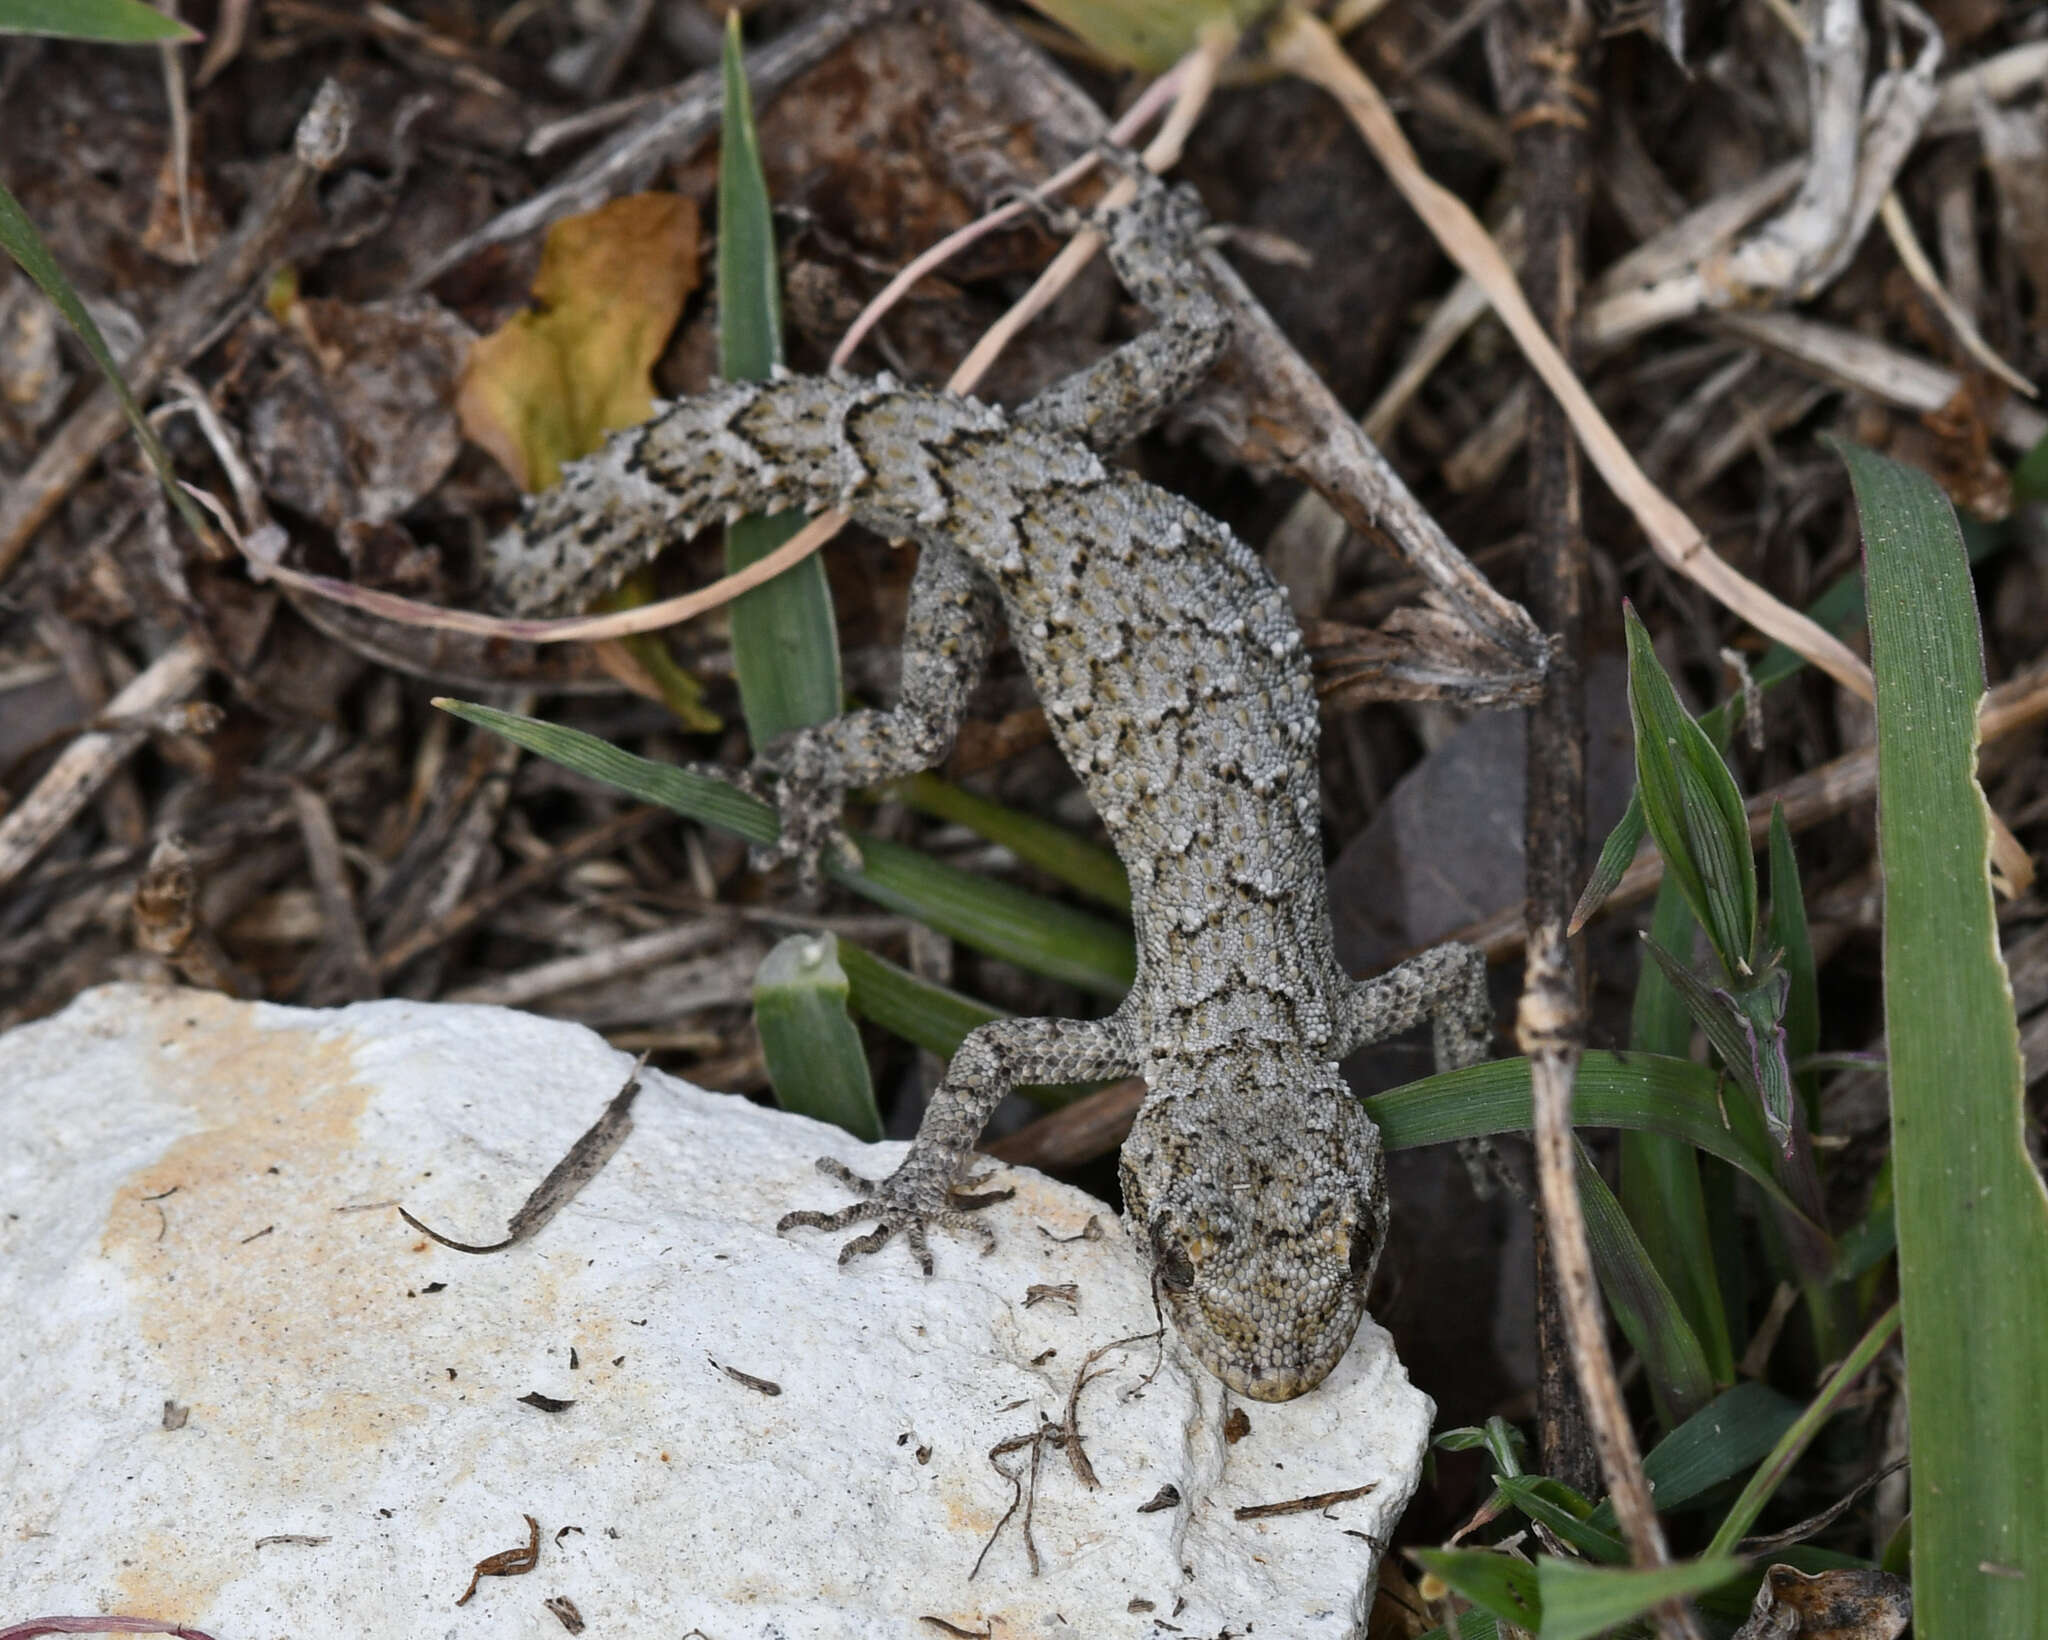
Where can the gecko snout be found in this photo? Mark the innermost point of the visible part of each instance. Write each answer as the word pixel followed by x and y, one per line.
pixel 1264 1267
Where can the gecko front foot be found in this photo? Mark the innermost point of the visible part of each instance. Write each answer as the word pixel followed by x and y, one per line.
pixel 909 1202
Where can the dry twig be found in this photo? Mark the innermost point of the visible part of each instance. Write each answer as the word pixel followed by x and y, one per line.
pixel 85 765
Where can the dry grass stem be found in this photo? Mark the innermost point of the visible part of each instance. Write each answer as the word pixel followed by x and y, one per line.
pixel 1913 258
pixel 1549 1028
pixel 668 133
pixel 1302 44
pixel 1160 94
pixel 1864 364
pixel 185 326
pixel 526 986
pixel 1446 326
pixel 1899 228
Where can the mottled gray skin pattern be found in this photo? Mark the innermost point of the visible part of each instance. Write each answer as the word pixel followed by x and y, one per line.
pixel 1176 683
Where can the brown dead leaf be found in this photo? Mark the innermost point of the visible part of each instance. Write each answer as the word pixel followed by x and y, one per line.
pixel 1963 463
pixel 352 419
pixel 1838 1605
pixel 550 384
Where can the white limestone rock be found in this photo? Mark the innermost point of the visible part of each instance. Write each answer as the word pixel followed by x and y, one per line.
pixel 196 1228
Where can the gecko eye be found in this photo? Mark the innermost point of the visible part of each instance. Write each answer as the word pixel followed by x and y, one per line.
pixel 1364 1247
pixel 1175 1269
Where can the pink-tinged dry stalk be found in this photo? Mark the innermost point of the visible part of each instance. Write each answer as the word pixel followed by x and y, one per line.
pixel 100 1625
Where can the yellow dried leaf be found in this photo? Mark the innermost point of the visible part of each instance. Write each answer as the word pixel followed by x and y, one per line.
pixel 549 385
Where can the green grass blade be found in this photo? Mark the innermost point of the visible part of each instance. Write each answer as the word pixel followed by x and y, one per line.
pixel 1661 1194
pixel 749 289
pixel 1660 1176
pixel 1713 1010
pixel 1580 1600
pixel 19 238
pixel 1717 1443
pixel 1500 1440
pixel 1800 1433
pixel 1659 1021
pixel 931 1016
pixel 1788 934
pixel 816 1064
pixel 1971 1213
pixel 1550 1503
pixel 700 797
pixel 1840 611
pixel 1643 1305
pixel 785 644
pixel 1499 1585
pixel 1082 866
pixel 995 918
pixel 1645 1092
pixel 111 22
pixel 1616 856
pixel 1691 805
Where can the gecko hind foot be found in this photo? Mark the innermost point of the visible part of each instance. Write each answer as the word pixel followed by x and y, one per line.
pixel 905 1204
pixel 810 802
pixel 811 835
pixel 810 830
pixel 1171 213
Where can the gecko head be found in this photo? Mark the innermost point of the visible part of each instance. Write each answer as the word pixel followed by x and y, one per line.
pixel 1262 1240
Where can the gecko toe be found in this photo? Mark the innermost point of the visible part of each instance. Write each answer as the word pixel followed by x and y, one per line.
pixel 873 1242
pixel 808 1218
pixel 962 1205
pixel 833 1168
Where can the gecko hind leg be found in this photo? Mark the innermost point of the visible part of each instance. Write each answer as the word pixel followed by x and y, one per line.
pixel 948 631
pixel 1154 244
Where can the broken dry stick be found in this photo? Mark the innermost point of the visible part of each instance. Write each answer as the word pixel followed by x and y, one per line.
pixel 586 1159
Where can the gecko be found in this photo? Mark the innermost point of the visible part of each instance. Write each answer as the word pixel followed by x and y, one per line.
pixel 1176 682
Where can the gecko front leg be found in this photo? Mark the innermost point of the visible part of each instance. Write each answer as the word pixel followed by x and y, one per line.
pixel 993 1059
pixel 1445 985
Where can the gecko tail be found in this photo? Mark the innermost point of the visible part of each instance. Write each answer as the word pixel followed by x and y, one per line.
pixel 795 443
pixel 692 464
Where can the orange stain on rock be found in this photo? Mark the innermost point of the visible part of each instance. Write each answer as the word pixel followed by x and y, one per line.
pixel 262 1305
